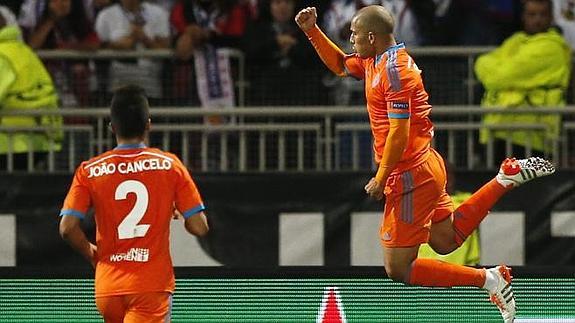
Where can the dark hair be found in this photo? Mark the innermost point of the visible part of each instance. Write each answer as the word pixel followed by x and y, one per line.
pixel 76 24
pixel 129 111
pixel 548 2
pixel 223 6
pixel 2 21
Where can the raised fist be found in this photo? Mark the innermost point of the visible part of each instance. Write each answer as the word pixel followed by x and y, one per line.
pixel 306 18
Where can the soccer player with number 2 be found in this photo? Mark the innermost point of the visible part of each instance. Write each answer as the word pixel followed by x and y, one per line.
pixel 411 174
pixel 134 191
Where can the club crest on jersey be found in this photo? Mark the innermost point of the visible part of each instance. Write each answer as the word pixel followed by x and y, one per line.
pixel 400 105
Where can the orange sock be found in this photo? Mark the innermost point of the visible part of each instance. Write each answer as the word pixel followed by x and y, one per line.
pixel 470 213
pixel 437 273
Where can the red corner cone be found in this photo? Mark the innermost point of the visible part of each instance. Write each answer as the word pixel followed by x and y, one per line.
pixel 331 310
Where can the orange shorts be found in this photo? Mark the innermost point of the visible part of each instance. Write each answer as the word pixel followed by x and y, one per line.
pixel 413 200
pixel 153 307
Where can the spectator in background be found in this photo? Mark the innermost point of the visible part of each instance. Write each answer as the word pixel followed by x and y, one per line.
pixel 462 22
pixel 564 14
pixel 25 85
pixel 564 17
pixel 95 6
pixel 414 20
pixel 8 16
pixel 13 5
pixel 337 20
pixel 336 23
pixel 530 69
pixel 280 58
pixel 31 11
pixel 203 27
pixel 347 90
pixel 29 15
pixel 166 4
pixel 63 25
pixel 135 25
pixel 501 18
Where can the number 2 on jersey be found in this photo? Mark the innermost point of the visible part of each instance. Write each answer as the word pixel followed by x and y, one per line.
pixel 129 227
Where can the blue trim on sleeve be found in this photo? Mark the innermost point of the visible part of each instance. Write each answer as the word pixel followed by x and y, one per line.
pixel 392 71
pixel 193 211
pixel 398 115
pixel 378 58
pixel 72 212
pixel 395 47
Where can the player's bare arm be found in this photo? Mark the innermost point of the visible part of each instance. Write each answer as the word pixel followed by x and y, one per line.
pixel 72 233
pixel 197 224
pixel 331 55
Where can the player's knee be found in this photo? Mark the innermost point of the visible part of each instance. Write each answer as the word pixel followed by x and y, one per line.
pixel 445 249
pixel 396 273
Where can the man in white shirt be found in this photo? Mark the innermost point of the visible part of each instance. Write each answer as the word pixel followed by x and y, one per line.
pixel 564 15
pixel 8 16
pixel 135 25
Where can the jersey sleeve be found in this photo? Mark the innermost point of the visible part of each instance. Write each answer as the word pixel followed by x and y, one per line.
pixel 78 200
pixel 188 199
pixel 354 67
pixel 399 88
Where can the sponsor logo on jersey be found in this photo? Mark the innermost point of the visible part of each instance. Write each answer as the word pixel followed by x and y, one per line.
pixel 400 105
pixel 134 254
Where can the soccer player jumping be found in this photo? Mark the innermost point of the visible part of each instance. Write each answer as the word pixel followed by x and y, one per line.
pixel 411 174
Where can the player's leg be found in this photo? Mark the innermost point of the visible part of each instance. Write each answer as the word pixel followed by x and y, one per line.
pixel 411 199
pixel 496 281
pixel 112 308
pixel 436 273
pixel 512 173
pixel 149 308
pixel 442 233
pixel 410 208
pixel 397 261
pixel 450 231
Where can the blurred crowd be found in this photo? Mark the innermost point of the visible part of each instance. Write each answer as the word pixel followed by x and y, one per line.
pixel 529 67
pixel 278 57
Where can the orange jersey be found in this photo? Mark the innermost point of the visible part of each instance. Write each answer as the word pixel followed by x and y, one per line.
pixel 133 190
pixel 394 89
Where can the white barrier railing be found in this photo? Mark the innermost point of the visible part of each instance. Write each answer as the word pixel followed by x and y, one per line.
pixel 285 139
